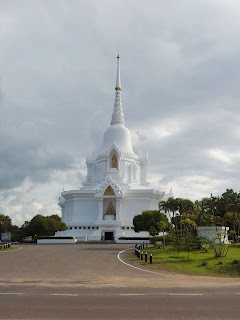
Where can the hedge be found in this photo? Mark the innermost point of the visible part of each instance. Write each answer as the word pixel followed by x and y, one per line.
pixel 134 238
pixel 40 238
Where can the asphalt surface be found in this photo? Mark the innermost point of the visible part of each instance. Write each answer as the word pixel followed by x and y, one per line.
pixel 91 282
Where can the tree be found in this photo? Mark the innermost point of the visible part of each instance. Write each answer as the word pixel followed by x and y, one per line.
pixel 179 209
pixel 151 221
pixel 220 244
pixel 169 206
pixel 2 221
pixel 188 224
pixel 163 207
pixel 229 201
pixel 190 242
pixel 233 218
pixel 164 226
pixel 55 216
pixel 43 226
pixel 221 210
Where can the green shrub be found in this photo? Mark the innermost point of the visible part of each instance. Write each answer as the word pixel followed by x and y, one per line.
pixel 220 262
pixel 221 250
pixel 204 263
pixel 205 243
pixel 205 247
pixel 235 261
pixel 158 244
pixel 134 238
pixel 55 238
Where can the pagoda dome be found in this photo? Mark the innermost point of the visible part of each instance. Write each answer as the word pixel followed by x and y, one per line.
pixel 119 135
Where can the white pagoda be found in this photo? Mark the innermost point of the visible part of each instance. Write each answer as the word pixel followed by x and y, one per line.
pixel 116 187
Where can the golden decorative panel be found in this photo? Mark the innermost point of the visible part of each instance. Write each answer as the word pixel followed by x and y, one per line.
pixel 114 161
pixel 109 191
pixel 110 210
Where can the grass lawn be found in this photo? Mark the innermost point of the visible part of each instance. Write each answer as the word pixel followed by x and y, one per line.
pixel 11 248
pixel 171 261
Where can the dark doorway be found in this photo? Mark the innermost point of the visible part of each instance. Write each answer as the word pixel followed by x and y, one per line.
pixel 108 236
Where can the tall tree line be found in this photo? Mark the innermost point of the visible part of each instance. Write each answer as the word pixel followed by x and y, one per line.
pixel 38 226
pixel 223 210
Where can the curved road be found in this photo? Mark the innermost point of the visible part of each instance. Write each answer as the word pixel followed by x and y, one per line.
pixel 88 281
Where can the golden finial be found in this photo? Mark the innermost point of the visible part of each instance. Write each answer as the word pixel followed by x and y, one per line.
pixel 118 56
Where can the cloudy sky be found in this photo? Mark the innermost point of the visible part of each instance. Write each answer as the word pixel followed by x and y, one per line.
pixel 180 73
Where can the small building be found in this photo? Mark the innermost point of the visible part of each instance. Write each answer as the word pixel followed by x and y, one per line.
pixel 218 234
pixel 6 237
pixel 116 187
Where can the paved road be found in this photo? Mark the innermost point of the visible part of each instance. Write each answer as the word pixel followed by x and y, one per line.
pixel 89 282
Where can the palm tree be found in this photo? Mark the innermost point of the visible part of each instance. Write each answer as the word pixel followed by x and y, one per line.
pixel 163 206
pixel 233 219
pixel 163 225
pixel 5 223
pixel 172 205
pixel 2 223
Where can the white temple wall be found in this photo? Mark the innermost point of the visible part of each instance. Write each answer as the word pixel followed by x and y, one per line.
pixel 102 169
pixel 126 170
pixel 63 212
pixel 75 232
pixel 132 171
pixel 130 207
pixel 93 172
pixel 105 167
pixel 122 169
pixel 68 210
pixel 99 171
pixel 138 172
pixel 89 173
pixel 85 210
pixel 154 204
pixel 129 174
pixel 143 173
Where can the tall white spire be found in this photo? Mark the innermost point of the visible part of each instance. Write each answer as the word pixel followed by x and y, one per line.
pixel 118 80
pixel 117 115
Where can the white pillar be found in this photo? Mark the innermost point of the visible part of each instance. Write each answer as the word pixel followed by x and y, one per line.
pixel 89 173
pixel 118 209
pixel 130 173
pixel 100 209
pixel 143 173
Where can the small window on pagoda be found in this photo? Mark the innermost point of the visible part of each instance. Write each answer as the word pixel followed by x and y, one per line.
pixel 109 191
pixel 114 161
